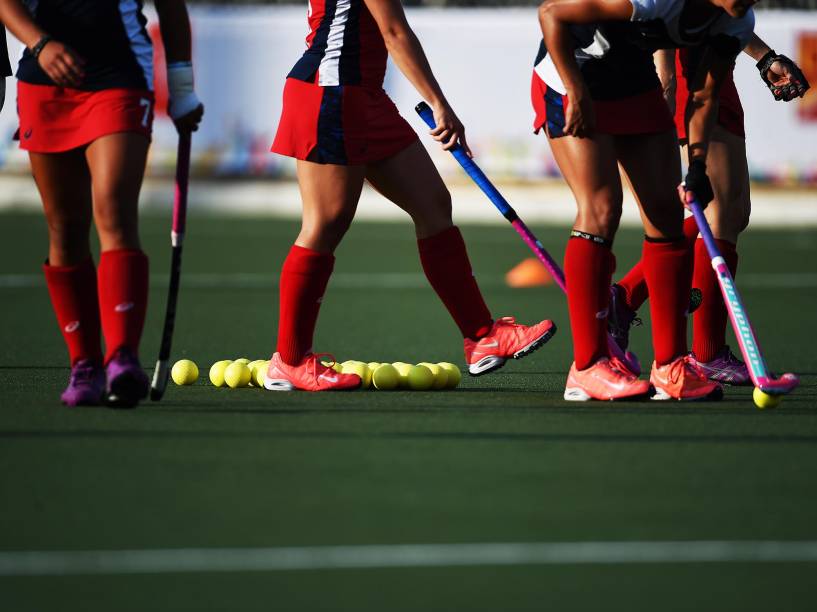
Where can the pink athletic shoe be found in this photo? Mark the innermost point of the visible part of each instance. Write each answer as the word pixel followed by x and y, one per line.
pixel 507 339
pixel 309 375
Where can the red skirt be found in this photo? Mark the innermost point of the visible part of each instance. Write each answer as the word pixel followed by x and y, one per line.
pixel 645 113
pixel 56 119
pixel 730 110
pixel 343 125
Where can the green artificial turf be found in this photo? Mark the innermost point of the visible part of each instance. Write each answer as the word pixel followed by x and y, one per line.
pixel 501 459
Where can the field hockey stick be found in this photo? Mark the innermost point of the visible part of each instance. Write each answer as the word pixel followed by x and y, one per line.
pixel 749 347
pixel 160 374
pixel 507 211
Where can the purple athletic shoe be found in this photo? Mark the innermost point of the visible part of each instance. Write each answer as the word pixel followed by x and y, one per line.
pixel 86 387
pixel 127 381
pixel 726 368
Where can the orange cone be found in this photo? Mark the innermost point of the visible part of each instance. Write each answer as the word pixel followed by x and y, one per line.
pixel 529 272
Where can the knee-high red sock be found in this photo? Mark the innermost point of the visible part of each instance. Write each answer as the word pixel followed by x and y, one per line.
pixel 668 271
pixel 123 299
pixel 304 277
pixel 709 321
pixel 633 283
pixel 73 297
pixel 589 267
pixel 447 268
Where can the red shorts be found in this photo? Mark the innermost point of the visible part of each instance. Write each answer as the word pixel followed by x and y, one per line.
pixel 730 110
pixel 644 113
pixel 343 125
pixel 55 119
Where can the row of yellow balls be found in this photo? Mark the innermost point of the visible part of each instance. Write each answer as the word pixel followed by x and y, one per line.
pixel 382 376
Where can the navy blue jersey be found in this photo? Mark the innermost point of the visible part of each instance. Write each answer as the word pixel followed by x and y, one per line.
pixel 5 66
pixel 615 57
pixel 110 35
pixel 344 46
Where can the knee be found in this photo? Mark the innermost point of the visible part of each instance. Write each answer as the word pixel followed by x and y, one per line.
pixel 601 214
pixel 437 217
pixel 115 217
pixel 324 231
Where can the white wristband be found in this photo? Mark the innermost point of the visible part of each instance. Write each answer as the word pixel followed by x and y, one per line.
pixel 183 98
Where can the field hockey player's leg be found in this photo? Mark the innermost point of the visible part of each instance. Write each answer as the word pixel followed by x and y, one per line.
pixel 70 274
pixel 728 216
pixel 589 166
pixel 117 163
pixel 410 180
pixel 651 163
pixel 330 193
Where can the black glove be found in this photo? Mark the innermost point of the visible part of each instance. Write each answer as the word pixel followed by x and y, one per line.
pixel 698 183
pixel 797 86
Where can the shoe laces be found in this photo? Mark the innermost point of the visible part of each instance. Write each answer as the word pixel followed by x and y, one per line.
pixel 314 360
pixel 620 368
pixel 685 365
pixel 509 321
pixel 83 371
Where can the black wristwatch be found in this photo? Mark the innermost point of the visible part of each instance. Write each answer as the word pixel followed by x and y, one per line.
pixel 37 49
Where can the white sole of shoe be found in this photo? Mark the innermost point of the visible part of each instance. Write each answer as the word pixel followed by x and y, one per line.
pixel 661 395
pixel 278 384
pixel 486 364
pixel 575 394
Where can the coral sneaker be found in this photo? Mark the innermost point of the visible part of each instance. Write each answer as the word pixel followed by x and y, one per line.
pixel 683 379
pixel 726 368
pixel 607 379
pixel 127 381
pixel 507 339
pixel 86 387
pixel 309 375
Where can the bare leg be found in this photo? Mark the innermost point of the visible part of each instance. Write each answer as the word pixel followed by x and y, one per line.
pixel 410 180
pixel 65 189
pixel 117 164
pixel 330 194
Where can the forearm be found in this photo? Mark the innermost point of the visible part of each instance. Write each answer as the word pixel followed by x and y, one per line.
pixel 20 23
pixel 407 53
pixel 665 68
pixel 560 46
pixel 756 48
pixel 701 115
pixel 174 24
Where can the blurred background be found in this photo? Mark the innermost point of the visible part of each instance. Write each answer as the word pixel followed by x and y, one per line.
pixel 481 51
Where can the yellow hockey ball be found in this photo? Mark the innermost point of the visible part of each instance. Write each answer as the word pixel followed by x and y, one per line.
pixel 217 372
pixel 420 378
pixel 386 377
pixel 765 400
pixel 237 374
pixel 184 372
pixel 361 369
pixel 440 375
pixel 454 374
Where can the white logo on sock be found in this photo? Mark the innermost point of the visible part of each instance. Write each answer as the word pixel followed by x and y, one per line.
pixel 124 307
pixel 72 327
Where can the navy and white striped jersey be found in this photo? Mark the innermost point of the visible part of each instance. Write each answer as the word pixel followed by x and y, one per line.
pixel 344 46
pixel 110 35
pixel 616 56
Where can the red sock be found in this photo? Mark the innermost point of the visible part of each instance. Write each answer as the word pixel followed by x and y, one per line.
pixel 668 271
pixel 633 283
pixel 304 277
pixel 123 299
pixel 73 297
pixel 589 268
pixel 709 321
pixel 445 262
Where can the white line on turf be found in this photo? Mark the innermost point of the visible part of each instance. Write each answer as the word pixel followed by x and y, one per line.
pixel 388 280
pixel 161 561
